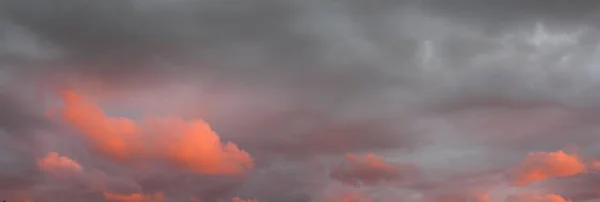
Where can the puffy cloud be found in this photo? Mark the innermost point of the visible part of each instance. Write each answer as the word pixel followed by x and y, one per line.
pixel 69 180
pixel 58 165
pixel 542 165
pixel 371 169
pixel 193 145
pixel 190 144
pixel 113 136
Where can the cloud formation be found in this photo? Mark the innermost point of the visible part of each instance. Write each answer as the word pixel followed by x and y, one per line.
pixel 55 164
pixel 198 148
pixel 596 165
pixel 350 197
pixel 187 100
pixel 237 199
pixel 113 136
pixel 192 145
pixel 371 169
pixel 158 197
pixel 541 165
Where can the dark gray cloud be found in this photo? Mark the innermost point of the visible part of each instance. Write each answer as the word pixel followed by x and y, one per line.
pixel 19 128
pixel 515 11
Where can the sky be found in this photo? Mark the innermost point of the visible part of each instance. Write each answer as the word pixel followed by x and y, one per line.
pixel 299 101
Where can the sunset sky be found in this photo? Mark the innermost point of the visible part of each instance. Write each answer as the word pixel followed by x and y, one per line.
pixel 300 101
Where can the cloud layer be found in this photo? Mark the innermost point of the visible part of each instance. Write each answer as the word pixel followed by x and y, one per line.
pixel 299 101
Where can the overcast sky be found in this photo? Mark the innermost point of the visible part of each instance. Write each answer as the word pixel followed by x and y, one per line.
pixel 300 100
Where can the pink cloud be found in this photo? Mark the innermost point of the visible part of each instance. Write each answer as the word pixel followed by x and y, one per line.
pixel 543 165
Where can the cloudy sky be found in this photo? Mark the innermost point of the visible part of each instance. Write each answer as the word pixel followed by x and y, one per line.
pixel 300 101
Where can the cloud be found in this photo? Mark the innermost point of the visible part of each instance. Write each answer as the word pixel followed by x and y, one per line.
pixel 69 179
pixel 371 169
pixel 58 165
pixel 460 197
pixel 477 197
pixel 541 165
pixel 157 197
pixel 482 197
pixel 18 197
pixel 537 198
pixel 460 90
pixel 20 125
pixel 582 187
pixel 199 149
pixel 192 145
pixel 112 136
pixel 236 199
pixel 596 165
pixel 350 197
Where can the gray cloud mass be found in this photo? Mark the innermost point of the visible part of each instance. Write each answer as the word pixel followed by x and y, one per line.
pixel 461 90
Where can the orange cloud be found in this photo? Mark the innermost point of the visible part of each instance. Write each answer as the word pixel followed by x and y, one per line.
pixel 112 136
pixel 369 169
pixel 137 197
pixel 541 165
pixel 190 144
pixel 58 165
pixel 236 199
pixel 195 146
pixel 536 198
